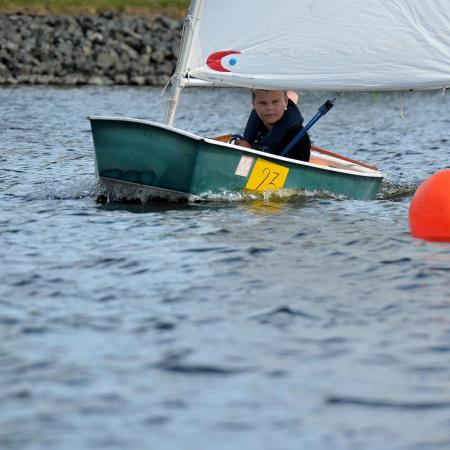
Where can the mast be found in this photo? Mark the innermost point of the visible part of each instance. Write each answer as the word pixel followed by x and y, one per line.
pixel 189 26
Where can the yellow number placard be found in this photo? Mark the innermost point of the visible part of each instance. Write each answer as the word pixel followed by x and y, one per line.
pixel 267 176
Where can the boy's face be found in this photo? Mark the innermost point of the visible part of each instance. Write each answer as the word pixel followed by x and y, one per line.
pixel 270 106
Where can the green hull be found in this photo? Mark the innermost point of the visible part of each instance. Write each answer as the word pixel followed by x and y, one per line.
pixel 165 162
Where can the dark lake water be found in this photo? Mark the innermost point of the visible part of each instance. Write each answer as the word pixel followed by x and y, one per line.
pixel 288 323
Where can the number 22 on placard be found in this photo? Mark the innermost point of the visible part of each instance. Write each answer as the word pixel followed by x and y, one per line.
pixel 273 176
pixel 267 176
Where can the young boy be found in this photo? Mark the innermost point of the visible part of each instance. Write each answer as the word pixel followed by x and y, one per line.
pixel 274 121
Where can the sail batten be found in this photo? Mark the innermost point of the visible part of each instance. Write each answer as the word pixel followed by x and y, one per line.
pixel 324 44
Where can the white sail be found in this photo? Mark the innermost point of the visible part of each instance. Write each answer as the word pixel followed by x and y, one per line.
pixel 323 44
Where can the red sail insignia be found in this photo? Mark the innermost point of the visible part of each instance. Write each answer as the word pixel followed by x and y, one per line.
pixel 214 60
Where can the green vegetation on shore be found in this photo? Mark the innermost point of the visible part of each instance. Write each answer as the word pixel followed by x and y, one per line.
pixel 172 8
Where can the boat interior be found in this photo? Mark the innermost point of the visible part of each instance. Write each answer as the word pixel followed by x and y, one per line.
pixel 322 157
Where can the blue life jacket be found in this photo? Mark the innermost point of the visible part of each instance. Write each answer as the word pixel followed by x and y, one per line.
pixel 276 139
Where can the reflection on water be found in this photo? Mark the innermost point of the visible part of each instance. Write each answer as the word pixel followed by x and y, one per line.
pixel 268 207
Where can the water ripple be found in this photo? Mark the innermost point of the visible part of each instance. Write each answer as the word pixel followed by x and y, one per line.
pixel 355 401
pixel 222 322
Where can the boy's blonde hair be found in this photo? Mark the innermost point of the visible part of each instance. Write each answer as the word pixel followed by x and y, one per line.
pixel 254 91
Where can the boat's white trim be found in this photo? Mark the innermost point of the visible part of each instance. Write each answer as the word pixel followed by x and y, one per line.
pixel 362 171
pixel 147 122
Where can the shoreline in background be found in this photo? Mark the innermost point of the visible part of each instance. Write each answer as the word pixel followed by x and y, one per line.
pixel 105 49
pixel 175 9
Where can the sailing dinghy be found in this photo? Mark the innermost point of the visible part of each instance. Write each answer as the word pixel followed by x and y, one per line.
pixel 319 45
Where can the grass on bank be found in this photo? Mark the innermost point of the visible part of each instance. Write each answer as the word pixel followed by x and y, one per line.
pixel 172 8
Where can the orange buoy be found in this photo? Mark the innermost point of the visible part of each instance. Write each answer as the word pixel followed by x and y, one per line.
pixel 429 211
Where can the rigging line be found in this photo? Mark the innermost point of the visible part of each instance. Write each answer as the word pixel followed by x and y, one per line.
pixel 337 94
pixel 192 121
pixel 212 87
pixel 208 89
pixel 167 85
pixel 402 113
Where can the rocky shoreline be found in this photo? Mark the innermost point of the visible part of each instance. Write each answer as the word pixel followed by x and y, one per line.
pixel 97 50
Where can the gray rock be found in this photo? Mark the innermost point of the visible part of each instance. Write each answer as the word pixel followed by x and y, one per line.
pixel 130 52
pixel 101 50
pixel 158 56
pixel 121 78
pixel 4 71
pixel 95 37
pixel 11 80
pixel 138 80
pixel 75 79
pixel 44 79
pixel 87 49
pixel 99 81
pixel 165 68
pixel 11 46
pixel 105 60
